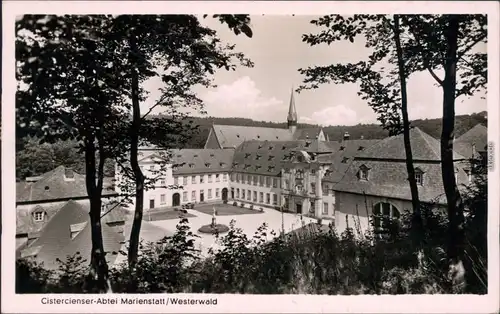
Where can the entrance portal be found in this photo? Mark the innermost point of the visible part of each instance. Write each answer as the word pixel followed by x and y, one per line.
pixel 202 196
pixel 176 199
pixel 151 203
pixel 298 207
pixel 224 194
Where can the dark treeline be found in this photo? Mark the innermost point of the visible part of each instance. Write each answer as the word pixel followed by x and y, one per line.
pixel 34 159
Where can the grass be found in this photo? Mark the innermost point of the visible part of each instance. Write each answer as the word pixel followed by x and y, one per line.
pixel 167 214
pixel 227 210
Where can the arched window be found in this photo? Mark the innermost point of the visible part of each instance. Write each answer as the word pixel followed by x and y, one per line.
pixel 383 213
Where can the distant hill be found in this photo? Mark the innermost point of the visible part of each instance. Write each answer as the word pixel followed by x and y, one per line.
pixel 368 131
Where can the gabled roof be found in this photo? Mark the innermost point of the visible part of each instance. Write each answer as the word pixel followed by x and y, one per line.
pixel 230 136
pixel 343 156
pixel 477 136
pixel 53 186
pixel 307 133
pixel 25 223
pixel 424 148
pixel 388 178
pixel 55 241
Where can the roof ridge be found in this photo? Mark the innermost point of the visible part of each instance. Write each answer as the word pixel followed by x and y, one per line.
pixel 426 136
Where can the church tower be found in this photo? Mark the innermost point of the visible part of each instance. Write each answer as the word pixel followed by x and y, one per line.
pixel 292 115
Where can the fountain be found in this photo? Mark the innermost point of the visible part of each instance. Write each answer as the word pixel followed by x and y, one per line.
pixel 214 227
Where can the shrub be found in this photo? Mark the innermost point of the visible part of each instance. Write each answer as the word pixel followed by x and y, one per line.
pixel 242 205
pixel 235 204
pixel 224 201
pixel 251 206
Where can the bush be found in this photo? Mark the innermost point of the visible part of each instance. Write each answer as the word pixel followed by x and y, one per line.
pixel 242 205
pixel 224 201
pixel 235 204
pixel 261 210
pixel 251 206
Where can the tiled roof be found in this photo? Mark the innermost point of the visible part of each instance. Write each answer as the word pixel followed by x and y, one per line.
pixel 263 157
pixel 343 155
pixel 308 133
pixel 25 223
pixel 55 241
pixel 189 161
pixel 230 136
pixel 389 179
pixel 477 136
pixel 424 148
pixel 315 146
pixel 53 186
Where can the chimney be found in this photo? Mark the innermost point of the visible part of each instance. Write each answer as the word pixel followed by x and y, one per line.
pixel 69 174
pixel 346 136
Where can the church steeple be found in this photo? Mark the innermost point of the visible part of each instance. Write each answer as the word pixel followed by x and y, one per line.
pixel 292 114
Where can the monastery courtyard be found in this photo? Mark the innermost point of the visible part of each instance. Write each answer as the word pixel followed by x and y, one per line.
pixel 246 219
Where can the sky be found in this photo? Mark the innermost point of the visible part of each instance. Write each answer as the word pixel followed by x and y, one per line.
pixel 276 48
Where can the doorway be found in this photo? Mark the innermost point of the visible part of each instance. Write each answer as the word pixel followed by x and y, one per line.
pixel 152 203
pixel 224 194
pixel 176 199
pixel 298 207
pixel 202 196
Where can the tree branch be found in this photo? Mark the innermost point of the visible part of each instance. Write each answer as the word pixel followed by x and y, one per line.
pixel 475 42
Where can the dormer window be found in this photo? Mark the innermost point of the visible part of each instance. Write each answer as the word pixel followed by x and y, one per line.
pixel 308 144
pixel 283 147
pixel 222 164
pixel 342 147
pixel 237 135
pixel 207 164
pixel 212 155
pixel 270 148
pixel 246 167
pixel 258 167
pixel 345 160
pixel 419 176
pixel 361 148
pixel 270 168
pixel 196 155
pixel 69 175
pixel 270 158
pixel 258 136
pixel 47 188
pixel 363 172
pixel 247 155
pixel 258 157
pixel 38 215
pixel 191 165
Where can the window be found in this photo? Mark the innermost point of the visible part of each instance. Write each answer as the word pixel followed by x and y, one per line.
pixel 261 180
pixel 313 172
pixel 313 188
pixel 275 182
pixel 469 175
pixel 162 199
pixel 299 174
pixel 268 181
pixel 325 189
pixel 249 179
pixel 193 179
pixel 217 193
pixel 162 182
pixel 242 194
pixel 261 197
pixel 209 194
pixel 185 196
pixel 419 176
pixel 202 179
pixel 38 216
pixel 193 196
pixel 238 177
pixel 255 179
pixel 224 177
pixel 209 178
pixel 249 195
pixel 383 213
pixel 287 184
pixel 268 198
pixel 275 199
pixel 363 172
pixel 152 167
pixel 176 180
pixel 237 193
pixel 325 208
pixel 255 196
pixel 217 177
pixel 184 180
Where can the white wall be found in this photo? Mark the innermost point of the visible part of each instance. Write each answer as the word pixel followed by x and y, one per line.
pixel 264 189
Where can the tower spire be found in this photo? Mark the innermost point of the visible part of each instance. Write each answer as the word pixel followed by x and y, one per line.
pixel 292 113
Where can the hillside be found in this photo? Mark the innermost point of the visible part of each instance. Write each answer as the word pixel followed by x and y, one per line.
pixel 34 159
pixel 368 131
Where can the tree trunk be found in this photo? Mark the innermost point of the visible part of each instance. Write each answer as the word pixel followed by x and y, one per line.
pixel 453 198
pixel 417 225
pixel 98 265
pixel 134 163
